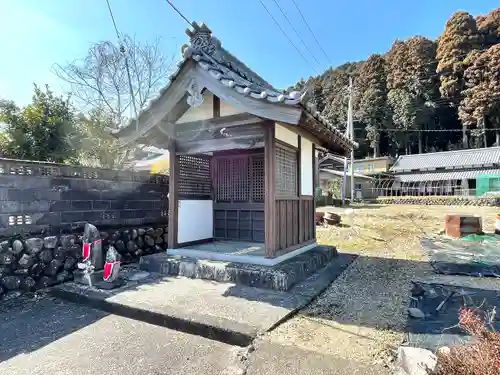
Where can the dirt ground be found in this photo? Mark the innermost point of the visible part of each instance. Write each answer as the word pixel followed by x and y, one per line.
pixel 362 315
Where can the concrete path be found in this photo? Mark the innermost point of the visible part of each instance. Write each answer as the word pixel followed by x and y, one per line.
pixel 226 312
pixel 47 336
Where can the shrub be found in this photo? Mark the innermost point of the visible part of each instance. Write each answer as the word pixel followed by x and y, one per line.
pixel 482 357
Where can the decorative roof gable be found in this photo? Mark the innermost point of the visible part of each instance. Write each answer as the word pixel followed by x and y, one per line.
pixel 207 52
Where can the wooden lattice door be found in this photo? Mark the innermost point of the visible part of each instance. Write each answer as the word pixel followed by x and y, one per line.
pixel 238 182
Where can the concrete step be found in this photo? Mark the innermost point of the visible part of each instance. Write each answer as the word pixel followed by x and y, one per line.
pixel 279 277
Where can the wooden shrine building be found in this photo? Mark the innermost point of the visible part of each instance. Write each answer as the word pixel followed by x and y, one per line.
pixel 242 157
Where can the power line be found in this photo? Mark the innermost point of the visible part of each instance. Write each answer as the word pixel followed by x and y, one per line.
pixel 178 12
pixel 113 20
pixel 296 32
pixel 286 35
pixel 312 32
pixel 129 78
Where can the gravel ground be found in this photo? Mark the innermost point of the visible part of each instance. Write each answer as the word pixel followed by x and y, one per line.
pixel 361 317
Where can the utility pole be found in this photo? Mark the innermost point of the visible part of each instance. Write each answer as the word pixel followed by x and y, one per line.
pixel 350 127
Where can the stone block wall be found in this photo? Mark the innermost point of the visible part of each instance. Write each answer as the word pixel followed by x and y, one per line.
pixel 51 198
pixel 441 200
pixel 30 263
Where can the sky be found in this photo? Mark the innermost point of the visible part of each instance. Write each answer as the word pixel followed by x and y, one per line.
pixel 36 34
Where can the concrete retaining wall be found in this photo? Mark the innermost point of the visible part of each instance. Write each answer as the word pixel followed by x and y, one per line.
pixel 40 197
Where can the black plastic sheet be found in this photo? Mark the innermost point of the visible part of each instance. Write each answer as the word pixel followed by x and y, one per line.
pixel 460 257
pixel 440 327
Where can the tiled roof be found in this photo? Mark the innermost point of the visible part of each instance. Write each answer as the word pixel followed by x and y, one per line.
pixel 207 51
pixel 448 159
pixel 448 175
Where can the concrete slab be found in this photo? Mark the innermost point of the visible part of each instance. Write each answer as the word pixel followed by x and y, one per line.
pixel 226 312
pixel 272 358
pixel 59 338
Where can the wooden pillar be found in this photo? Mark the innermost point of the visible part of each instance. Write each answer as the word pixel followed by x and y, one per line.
pixel 315 185
pixel 301 214
pixel 173 196
pixel 270 190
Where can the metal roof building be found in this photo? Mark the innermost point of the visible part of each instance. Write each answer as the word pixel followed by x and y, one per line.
pixel 447 165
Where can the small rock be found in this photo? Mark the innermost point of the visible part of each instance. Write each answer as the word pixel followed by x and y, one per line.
pixel 28 283
pixel 134 234
pixel 115 237
pixel 2 291
pixel 53 267
pixel 165 238
pixel 126 236
pixel 158 232
pixel 45 282
pixel 21 272
pixel 7 258
pixel 131 246
pixel 69 263
pixel 4 245
pixel 443 350
pixel 158 249
pixel 120 246
pixel 140 242
pixel 5 271
pixel 37 269
pixel 17 247
pixel 149 240
pixel 60 253
pixel 67 241
pixel 159 240
pixel 11 282
pixel 50 242
pixel 12 295
pixel 150 232
pixel 26 261
pixel 45 256
pixel 63 276
pixel 141 231
pixel 34 245
pixel 416 313
pixel 138 252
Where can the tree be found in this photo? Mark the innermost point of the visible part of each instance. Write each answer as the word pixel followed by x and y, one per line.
pixel 98 148
pixel 489 28
pixel 423 83
pixel 481 104
pixel 371 100
pixel 101 79
pixel 459 39
pixel 412 87
pixel 44 130
pixel 317 95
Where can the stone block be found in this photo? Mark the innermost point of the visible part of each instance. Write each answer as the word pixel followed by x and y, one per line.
pixel 10 207
pixel 101 205
pixel 56 206
pixel 35 206
pixel 81 205
pixel 71 216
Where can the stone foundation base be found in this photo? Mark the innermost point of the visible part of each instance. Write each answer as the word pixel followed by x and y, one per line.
pixel 280 277
pixel 97 280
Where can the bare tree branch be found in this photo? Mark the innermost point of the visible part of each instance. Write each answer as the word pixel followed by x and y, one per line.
pixel 101 77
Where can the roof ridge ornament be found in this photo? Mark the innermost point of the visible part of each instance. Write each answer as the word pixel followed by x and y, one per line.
pixel 201 39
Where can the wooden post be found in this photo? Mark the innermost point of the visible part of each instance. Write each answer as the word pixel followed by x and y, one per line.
pixel 300 229
pixel 315 185
pixel 270 190
pixel 173 197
